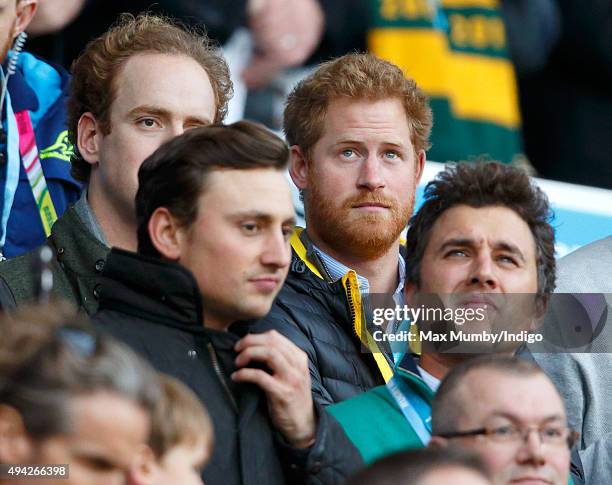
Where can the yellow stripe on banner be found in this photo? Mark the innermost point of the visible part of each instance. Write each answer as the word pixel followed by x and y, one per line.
pixel 300 250
pixel 490 4
pixel 351 286
pixel 420 53
pixel 48 216
pixel 484 89
pixel 477 87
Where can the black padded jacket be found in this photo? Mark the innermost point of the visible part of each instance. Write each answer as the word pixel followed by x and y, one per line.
pixel 321 318
pixel 155 308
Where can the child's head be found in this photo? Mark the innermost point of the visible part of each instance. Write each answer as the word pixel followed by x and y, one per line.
pixel 181 439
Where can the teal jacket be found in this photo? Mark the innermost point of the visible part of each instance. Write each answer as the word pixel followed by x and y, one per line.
pixel 374 422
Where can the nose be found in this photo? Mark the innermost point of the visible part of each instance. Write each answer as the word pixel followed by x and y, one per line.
pixel 116 478
pixel 177 129
pixel 277 251
pixel 482 273
pixel 371 175
pixel 531 450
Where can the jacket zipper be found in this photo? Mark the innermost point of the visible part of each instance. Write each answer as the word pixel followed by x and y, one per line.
pixel 221 376
pixel 351 304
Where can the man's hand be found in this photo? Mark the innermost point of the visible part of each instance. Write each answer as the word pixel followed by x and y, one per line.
pixel 287 384
pixel 285 33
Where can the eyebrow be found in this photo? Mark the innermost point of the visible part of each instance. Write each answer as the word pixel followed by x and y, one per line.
pixel 260 216
pixel 162 113
pixel 512 417
pixel 350 141
pixel 468 242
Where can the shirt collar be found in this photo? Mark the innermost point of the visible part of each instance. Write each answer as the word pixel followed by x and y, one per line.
pixel 83 209
pixel 337 270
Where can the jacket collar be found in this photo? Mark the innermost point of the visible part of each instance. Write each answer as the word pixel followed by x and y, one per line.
pixel 80 255
pixel 407 369
pixel 23 96
pixel 151 288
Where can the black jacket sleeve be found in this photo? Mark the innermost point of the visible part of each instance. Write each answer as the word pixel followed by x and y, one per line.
pixel 281 320
pixel 330 460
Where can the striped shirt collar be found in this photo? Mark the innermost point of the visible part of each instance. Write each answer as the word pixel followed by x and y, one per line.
pixel 337 270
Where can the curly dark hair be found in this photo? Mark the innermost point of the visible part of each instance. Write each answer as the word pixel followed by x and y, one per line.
pixel 482 184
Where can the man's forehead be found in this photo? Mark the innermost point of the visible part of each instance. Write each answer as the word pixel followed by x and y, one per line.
pixel 502 393
pixel 346 115
pixel 263 191
pixel 498 225
pixel 184 85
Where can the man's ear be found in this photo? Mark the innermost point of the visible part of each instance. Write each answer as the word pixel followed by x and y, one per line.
pixel 15 444
pixel 25 13
pixel 437 442
pixel 166 234
pixel 420 165
pixel 144 469
pixel 298 168
pixel 88 137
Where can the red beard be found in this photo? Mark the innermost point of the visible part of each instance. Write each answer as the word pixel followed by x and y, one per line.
pixel 365 235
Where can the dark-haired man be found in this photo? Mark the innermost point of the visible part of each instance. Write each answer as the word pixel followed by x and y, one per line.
pixel 480 241
pixel 214 221
pixel 119 111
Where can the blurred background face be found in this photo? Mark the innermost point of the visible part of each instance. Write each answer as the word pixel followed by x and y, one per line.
pixel 494 399
pixel 361 177
pixel 8 17
pixel 102 444
pixel 183 464
pixel 454 476
pixel 238 247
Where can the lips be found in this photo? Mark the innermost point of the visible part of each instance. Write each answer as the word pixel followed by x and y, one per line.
pixel 374 200
pixel 371 207
pixel 531 480
pixel 477 300
pixel 265 284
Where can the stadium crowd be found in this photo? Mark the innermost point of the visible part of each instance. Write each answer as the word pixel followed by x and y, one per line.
pixel 165 321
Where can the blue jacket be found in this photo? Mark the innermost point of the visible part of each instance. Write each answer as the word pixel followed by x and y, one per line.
pixel 42 89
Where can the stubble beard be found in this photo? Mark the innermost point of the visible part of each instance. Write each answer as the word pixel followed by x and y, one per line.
pixel 364 235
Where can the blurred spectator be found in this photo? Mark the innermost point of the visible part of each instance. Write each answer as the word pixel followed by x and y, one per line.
pixel 71 396
pixel 358 131
pixel 214 220
pixel 583 376
pixel 180 442
pixel 480 240
pixel 567 102
pixel 35 180
pixel 285 32
pixel 425 467
pixel 458 53
pixel 508 412
pixel 120 110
